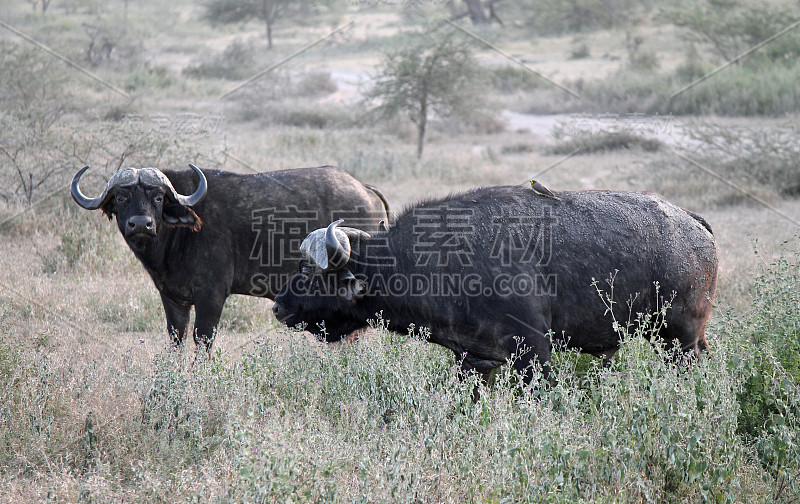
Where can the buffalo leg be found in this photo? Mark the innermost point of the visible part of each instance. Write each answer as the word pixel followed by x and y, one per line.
pixel 606 357
pixel 685 337
pixel 207 312
pixel 529 348
pixel 467 368
pixel 177 320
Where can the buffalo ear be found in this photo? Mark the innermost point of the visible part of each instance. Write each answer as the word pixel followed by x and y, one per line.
pixel 352 288
pixel 109 209
pixel 176 215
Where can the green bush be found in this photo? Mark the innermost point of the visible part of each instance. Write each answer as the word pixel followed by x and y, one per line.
pixel 149 77
pixel 767 89
pixel 605 142
pixel 579 50
pixel 738 90
pixel 769 359
pixel 296 113
pixel 508 78
pixel 567 16
pixel 764 160
pixel 234 63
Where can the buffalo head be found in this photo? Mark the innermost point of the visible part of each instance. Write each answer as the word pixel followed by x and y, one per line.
pixel 143 200
pixel 322 294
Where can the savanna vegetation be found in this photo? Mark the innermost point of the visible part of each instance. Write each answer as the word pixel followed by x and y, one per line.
pixel 97 407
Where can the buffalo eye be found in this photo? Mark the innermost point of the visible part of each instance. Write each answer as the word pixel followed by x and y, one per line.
pixel 120 199
pixel 158 199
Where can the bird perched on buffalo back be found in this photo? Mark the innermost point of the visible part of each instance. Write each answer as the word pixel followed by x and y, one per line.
pixel 538 188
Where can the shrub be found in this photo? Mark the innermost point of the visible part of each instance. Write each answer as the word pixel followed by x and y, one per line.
pixel 296 113
pixel 33 98
pixel 510 78
pixel 729 27
pixel 742 91
pixel 282 98
pixel 30 413
pixel 556 17
pixel 756 158
pixel 767 89
pixel 739 90
pixel 516 148
pixel 770 336
pixel 579 50
pixel 149 77
pixel 234 63
pixel 638 58
pixel 605 142
pixel 764 362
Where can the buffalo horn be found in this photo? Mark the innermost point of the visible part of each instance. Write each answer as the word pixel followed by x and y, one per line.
pixel 338 249
pixel 154 176
pixel 93 203
pixel 329 248
pixel 198 195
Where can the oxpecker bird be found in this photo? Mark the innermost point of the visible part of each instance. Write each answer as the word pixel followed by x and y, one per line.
pixel 538 188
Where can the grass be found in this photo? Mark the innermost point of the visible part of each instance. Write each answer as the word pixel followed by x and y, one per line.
pixel 386 419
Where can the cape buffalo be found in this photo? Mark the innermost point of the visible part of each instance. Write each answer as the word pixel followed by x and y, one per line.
pixel 491 271
pixel 233 234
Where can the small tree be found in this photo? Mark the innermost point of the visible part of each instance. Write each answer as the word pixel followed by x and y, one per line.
pixel 269 11
pixel 433 75
pixel 34 97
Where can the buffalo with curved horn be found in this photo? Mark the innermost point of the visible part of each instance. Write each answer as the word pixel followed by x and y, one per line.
pixel 500 270
pixel 132 176
pixel 232 234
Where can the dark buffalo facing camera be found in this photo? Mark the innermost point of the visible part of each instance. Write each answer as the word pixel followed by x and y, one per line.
pixel 232 234
pixel 492 271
